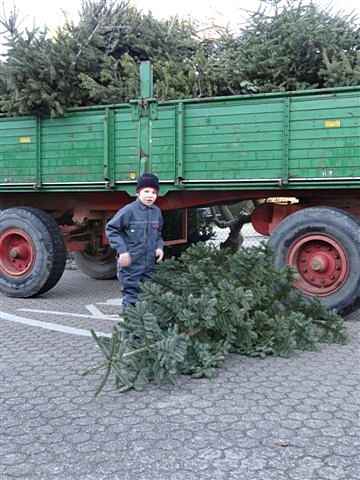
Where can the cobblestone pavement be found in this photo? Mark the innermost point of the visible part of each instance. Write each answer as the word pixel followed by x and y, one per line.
pixel 272 419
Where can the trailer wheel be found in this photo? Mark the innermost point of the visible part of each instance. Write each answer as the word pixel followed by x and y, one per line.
pixel 99 265
pixel 323 245
pixel 32 252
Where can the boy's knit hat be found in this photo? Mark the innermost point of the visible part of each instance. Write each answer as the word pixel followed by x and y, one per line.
pixel 148 180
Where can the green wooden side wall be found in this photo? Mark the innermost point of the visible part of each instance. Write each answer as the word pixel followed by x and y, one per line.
pixel 325 136
pixel 72 148
pixel 17 159
pixel 256 141
pixel 126 144
pixel 163 143
pixel 233 140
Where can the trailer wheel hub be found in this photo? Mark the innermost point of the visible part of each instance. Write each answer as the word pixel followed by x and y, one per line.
pixel 17 252
pixel 321 263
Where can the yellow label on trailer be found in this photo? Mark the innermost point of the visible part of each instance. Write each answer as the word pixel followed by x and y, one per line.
pixel 332 124
pixel 24 139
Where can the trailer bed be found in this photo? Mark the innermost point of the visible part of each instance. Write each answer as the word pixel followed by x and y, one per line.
pixel 293 140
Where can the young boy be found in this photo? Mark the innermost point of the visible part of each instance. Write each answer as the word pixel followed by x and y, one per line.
pixel 135 233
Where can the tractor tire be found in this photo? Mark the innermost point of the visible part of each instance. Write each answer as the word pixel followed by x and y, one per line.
pixel 32 252
pixel 100 267
pixel 323 245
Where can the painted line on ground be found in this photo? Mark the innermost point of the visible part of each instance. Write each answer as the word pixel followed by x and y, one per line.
pixel 49 326
pixel 96 313
pixel 115 302
pixel 115 318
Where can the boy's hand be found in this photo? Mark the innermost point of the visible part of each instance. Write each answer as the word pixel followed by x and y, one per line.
pixel 159 254
pixel 124 260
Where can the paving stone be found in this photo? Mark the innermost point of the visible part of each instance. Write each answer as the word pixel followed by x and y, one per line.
pixel 353 470
pixel 20 470
pixel 274 419
pixel 12 458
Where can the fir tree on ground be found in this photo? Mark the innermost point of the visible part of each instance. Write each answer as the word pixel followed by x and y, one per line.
pixel 205 305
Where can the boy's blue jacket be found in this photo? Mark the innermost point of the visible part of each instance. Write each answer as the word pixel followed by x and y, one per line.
pixel 136 229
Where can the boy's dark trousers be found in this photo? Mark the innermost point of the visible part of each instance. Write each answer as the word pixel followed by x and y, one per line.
pixel 130 279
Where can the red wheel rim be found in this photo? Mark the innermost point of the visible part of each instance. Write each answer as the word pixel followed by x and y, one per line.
pixel 321 263
pixel 17 252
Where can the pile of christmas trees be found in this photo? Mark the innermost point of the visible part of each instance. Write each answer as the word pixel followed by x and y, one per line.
pixel 205 305
pixel 284 45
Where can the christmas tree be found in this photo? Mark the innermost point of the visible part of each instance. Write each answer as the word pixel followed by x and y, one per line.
pixel 206 304
pixel 284 45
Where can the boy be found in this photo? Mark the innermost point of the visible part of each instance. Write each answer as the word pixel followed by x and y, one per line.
pixel 135 233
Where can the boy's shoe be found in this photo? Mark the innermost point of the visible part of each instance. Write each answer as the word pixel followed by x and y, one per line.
pixel 121 309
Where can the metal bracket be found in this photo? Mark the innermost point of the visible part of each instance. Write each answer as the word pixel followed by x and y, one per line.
pixel 144 108
pixel 135 114
pixel 154 113
pixel 109 184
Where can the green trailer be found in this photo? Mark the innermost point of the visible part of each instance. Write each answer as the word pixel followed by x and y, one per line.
pixel 62 178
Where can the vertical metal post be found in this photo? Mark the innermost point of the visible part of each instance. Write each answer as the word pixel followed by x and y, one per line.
pixel 38 173
pixel 180 141
pixel 146 80
pixel 106 145
pixel 144 141
pixel 146 93
pixel 285 151
pixel 109 161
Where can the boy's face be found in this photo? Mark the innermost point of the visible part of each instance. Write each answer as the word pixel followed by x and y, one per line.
pixel 147 195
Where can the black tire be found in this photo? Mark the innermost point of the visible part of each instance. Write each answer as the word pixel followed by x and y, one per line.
pixel 47 245
pixel 303 229
pixel 99 267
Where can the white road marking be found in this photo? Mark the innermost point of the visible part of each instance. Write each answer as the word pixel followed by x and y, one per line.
pixel 49 326
pixel 114 318
pixel 95 312
pixel 111 301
